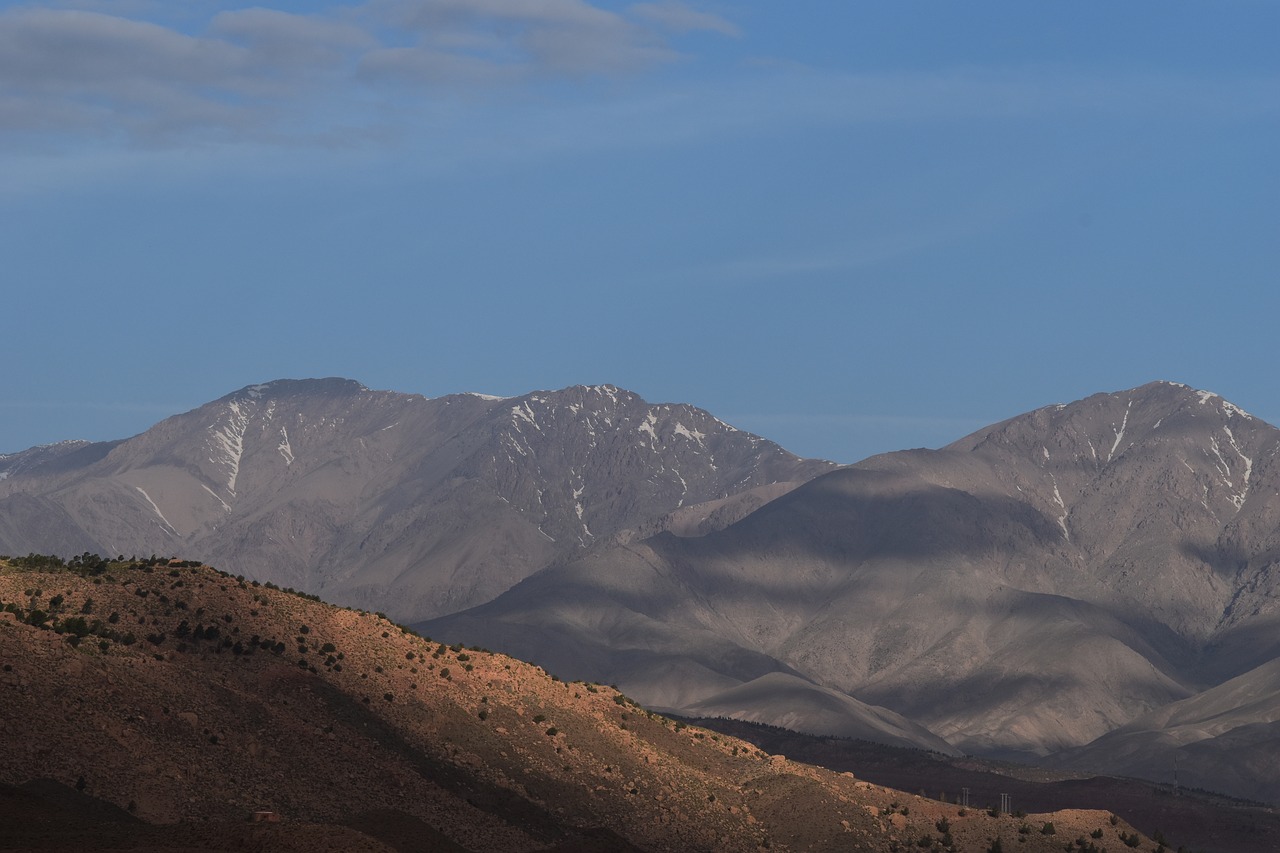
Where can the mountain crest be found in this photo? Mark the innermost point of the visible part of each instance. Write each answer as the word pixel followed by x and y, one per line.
pixel 397 502
pixel 277 388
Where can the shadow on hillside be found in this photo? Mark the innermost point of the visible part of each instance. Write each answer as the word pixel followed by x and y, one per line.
pixel 1203 822
pixel 485 796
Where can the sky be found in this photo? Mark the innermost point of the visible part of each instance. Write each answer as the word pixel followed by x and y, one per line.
pixel 851 227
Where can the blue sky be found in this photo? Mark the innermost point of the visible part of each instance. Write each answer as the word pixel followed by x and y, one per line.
pixel 851 227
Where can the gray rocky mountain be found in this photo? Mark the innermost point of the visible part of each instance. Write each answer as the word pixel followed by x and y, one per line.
pixel 1225 739
pixel 1025 590
pixel 393 502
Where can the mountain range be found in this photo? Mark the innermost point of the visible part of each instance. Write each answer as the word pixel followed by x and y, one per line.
pixel 413 506
pixel 1025 591
pixel 1091 584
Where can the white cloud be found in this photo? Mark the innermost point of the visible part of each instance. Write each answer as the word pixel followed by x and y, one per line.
pixel 425 65
pixel 113 71
pixel 69 77
pixel 556 12
pixel 49 49
pixel 85 72
pixel 289 40
pixel 525 37
pixel 680 18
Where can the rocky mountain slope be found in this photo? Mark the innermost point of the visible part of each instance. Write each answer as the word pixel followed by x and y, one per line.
pixel 1226 738
pixel 177 695
pixel 394 502
pixel 1025 590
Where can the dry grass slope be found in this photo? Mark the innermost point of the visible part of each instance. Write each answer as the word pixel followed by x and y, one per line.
pixel 189 699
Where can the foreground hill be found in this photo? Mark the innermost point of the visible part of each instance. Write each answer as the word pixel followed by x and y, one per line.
pixel 1025 590
pixel 393 502
pixel 184 696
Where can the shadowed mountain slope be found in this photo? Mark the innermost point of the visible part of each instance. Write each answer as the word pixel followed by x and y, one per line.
pixel 1027 589
pixel 390 501
pixel 1225 739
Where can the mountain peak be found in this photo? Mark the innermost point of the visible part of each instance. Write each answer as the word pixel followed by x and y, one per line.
pixel 1105 423
pixel 332 386
pixel 1179 391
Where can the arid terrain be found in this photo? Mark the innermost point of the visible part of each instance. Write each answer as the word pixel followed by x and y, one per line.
pixel 156 707
pixel 1197 820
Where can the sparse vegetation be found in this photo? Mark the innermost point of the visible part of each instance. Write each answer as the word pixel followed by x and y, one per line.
pixel 185 642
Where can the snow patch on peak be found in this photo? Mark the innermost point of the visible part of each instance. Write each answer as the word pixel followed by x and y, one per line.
pixel 285 449
pixel 1228 408
pixel 610 391
pixel 229 439
pixel 167 526
pixel 1062 518
pixel 731 427
pixel 1238 499
pixel 524 412
pixel 691 434
pixel 1120 432
pixel 1232 409
pixel 650 421
pixel 487 397
pixel 215 497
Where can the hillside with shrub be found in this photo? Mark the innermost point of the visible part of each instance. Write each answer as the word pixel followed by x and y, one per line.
pixel 158 704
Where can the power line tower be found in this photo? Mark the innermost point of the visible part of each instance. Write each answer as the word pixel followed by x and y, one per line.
pixel 1004 804
pixel 964 797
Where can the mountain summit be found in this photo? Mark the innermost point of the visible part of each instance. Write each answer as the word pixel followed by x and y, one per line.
pixel 394 502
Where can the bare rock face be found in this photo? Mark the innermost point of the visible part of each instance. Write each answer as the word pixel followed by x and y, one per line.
pixel 387 501
pixel 1025 590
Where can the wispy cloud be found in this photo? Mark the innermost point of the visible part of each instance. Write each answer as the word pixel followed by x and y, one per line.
pixel 140 73
pixel 521 37
pixel 122 70
pixel 681 18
